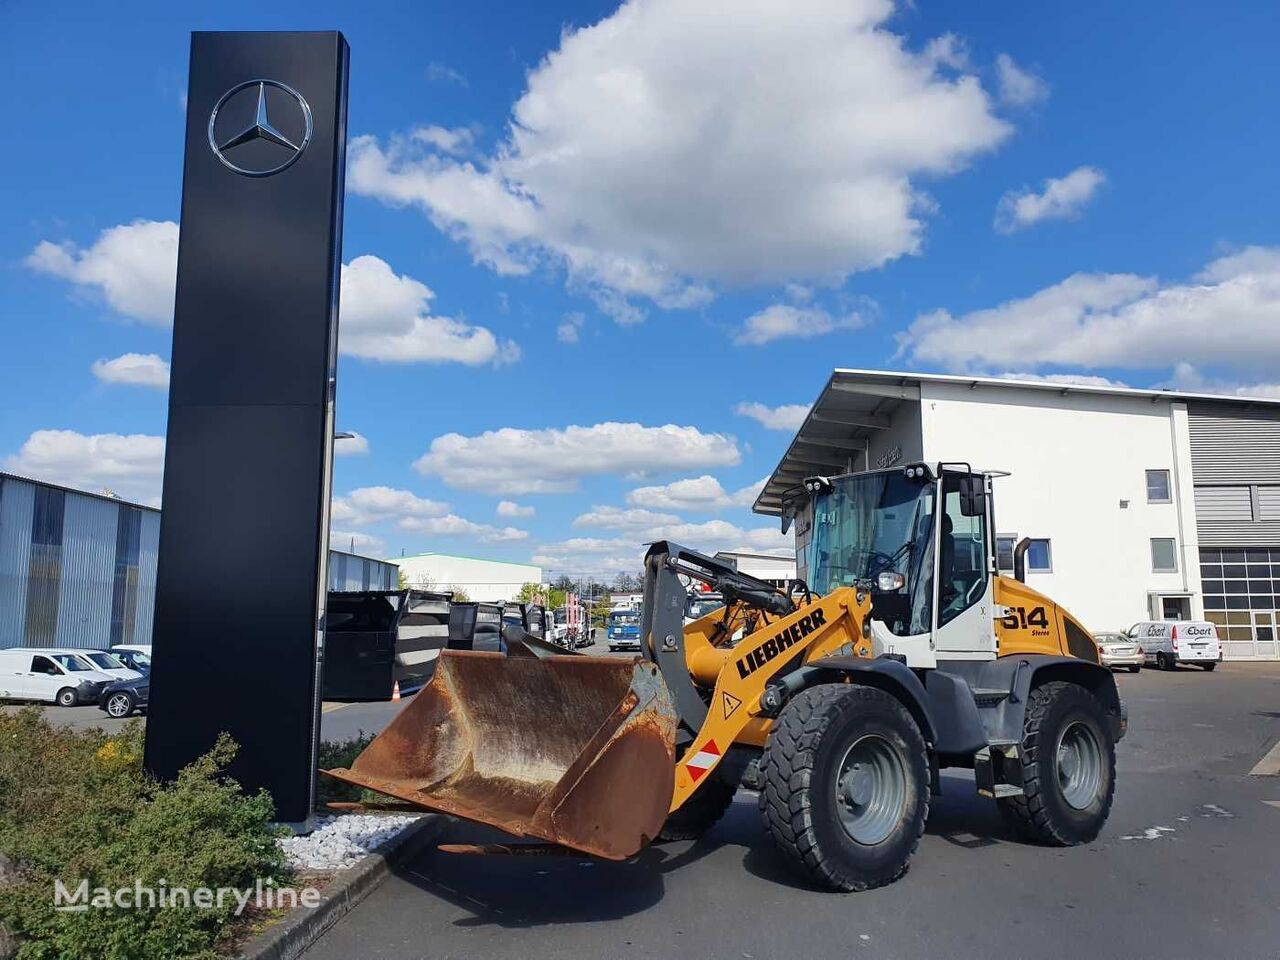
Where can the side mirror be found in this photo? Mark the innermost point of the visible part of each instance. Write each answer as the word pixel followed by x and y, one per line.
pixel 973 495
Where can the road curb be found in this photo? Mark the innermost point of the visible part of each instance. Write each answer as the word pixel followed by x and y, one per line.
pixel 291 937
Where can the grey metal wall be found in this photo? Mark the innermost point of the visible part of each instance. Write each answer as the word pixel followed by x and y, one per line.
pixel 77 570
pixel 1235 465
pixel 350 572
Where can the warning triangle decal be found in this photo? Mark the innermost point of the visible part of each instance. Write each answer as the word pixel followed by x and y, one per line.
pixel 731 703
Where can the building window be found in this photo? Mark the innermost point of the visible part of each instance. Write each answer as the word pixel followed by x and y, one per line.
pixel 1005 542
pixel 1040 557
pixel 1158 486
pixel 1164 555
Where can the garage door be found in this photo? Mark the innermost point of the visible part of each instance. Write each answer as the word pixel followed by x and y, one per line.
pixel 1242 596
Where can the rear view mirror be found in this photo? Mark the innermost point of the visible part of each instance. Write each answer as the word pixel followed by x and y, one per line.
pixel 973 495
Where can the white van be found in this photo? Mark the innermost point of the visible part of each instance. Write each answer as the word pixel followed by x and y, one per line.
pixel 1168 643
pixel 107 663
pixel 49 676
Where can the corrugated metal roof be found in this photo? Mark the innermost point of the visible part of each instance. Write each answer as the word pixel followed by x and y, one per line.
pixel 855 403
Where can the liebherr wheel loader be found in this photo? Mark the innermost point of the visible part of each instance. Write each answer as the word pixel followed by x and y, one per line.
pixel 901 651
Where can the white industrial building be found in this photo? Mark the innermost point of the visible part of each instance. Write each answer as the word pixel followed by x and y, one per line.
pixel 1140 503
pixel 778 570
pixel 488 581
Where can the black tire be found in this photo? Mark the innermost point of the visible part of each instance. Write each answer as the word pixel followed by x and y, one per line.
pixel 805 809
pixel 67 697
pixel 1044 813
pixel 700 812
pixel 1164 661
pixel 119 705
pixel 1135 668
pixel 1209 666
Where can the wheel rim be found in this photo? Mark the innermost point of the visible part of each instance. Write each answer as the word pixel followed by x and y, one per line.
pixel 1079 765
pixel 118 706
pixel 871 790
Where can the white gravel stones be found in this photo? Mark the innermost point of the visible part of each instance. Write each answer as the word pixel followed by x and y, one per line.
pixel 338 843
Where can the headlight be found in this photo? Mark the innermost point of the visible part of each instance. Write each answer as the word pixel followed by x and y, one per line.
pixel 889 581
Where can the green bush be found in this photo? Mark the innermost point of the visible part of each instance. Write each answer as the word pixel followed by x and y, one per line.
pixel 77 805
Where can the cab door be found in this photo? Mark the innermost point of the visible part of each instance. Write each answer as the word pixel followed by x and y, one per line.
pixel 963 612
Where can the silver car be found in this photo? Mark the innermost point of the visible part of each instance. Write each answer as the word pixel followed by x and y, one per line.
pixel 1119 650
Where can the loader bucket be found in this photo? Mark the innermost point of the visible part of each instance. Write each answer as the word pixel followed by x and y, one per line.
pixel 573 750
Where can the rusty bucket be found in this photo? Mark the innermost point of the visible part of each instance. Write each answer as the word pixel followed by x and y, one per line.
pixel 573 750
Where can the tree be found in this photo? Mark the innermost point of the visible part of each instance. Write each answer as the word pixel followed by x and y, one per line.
pixel 564 583
pixel 402 580
pixel 529 593
pixel 626 583
pixel 459 595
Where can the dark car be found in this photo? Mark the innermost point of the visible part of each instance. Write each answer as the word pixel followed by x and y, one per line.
pixel 121 698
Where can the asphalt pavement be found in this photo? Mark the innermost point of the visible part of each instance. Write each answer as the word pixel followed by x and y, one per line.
pixel 1188 866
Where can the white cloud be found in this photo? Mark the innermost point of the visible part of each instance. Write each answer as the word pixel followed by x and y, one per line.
pixel 443 73
pixel 619 518
pixel 452 525
pixel 1225 318
pixel 129 466
pixel 789 416
pixel 135 369
pixel 626 552
pixel 672 147
pixel 1066 379
pixel 515 461
pixel 353 541
pixel 1186 377
pixel 1018 87
pixel 1062 198
pixel 570 329
pixel 702 494
pixel 366 505
pixel 509 508
pixel 354 446
pixel 386 316
pixel 445 139
pixel 783 320
pixel 131 266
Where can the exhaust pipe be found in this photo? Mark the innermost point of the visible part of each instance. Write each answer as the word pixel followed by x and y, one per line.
pixel 1020 559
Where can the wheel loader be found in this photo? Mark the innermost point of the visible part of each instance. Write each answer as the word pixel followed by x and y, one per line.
pixel 900 651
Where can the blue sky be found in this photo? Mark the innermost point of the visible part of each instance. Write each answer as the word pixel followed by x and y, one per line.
pixel 580 237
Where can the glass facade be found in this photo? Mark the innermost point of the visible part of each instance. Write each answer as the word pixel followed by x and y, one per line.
pixel 1242 596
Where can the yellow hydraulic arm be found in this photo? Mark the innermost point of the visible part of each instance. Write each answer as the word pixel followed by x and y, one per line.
pixel 737 674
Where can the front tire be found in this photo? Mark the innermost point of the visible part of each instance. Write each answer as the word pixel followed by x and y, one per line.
pixel 1068 767
pixel 67 697
pixel 119 705
pixel 846 786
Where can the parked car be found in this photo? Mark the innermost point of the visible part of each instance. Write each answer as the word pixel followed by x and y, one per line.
pixel 109 664
pixel 1118 650
pixel 50 676
pixel 1167 643
pixel 134 656
pixel 121 698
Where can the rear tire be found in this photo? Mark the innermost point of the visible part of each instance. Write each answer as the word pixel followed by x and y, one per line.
pixel 1134 669
pixel 1068 768
pixel 1209 666
pixel 1164 661
pixel 67 697
pixel 846 786
pixel 701 812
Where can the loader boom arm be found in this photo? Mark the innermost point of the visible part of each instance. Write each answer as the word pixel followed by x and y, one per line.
pixel 717 685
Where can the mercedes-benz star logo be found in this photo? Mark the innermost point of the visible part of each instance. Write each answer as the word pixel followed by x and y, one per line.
pixel 260 148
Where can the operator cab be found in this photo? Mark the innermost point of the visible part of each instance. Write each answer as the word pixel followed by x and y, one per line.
pixel 918 538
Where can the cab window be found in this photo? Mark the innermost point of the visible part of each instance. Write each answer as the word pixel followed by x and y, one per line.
pixel 44 665
pixel 963 565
